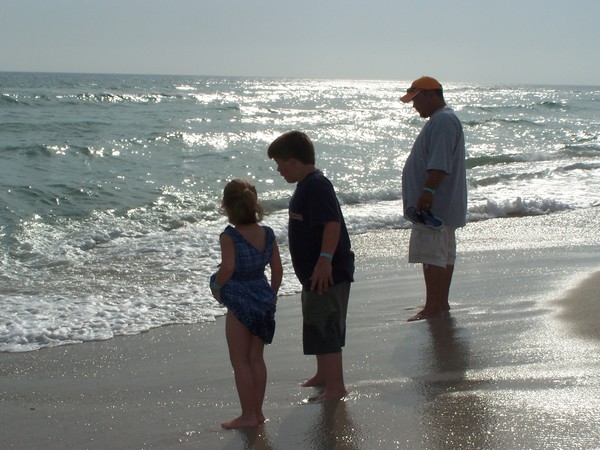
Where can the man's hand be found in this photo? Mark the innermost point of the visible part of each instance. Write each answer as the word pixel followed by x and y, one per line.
pixel 425 201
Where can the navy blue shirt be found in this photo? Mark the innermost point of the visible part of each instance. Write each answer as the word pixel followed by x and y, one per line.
pixel 313 204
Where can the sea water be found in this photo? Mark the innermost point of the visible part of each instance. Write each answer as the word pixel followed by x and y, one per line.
pixel 110 185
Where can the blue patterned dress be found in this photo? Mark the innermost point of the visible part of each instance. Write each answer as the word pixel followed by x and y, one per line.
pixel 247 294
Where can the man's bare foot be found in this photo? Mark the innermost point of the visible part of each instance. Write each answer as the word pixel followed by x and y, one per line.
pixel 241 422
pixel 316 381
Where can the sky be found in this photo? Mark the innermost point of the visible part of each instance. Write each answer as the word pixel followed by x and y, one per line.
pixel 479 41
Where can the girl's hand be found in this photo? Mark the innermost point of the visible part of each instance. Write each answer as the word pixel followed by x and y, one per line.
pixel 216 294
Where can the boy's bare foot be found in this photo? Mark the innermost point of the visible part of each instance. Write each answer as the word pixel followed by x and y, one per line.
pixel 316 381
pixel 425 314
pixel 332 395
pixel 241 422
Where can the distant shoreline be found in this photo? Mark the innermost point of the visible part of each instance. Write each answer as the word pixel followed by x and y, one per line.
pixel 281 77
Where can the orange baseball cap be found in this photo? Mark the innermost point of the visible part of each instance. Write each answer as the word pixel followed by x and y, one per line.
pixel 420 84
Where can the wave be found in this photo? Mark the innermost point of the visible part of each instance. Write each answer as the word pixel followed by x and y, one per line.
pixel 8 100
pixel 492 160
pixel 89 97
pixel 28 150
pixel 47 151
pixel 584 166
pixel 517 207
pixel 23 100
pixel 591 150
pixel 500 178
pixel 496 108
pixel 124 97
pixel 48 201
pixel 546 173
pixel 498 120
pixel 553 105
pixel 366 218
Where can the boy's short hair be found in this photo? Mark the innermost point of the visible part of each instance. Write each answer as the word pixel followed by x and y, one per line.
pixel 293 144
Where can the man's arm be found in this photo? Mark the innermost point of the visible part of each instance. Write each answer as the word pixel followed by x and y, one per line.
pixel 434 179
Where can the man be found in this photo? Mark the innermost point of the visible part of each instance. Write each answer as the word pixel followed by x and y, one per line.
pixel 322 258
pixel 434 181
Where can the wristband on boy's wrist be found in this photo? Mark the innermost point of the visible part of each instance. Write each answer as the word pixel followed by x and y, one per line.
pixel 428 189
pixel 215 286
pixel 329 256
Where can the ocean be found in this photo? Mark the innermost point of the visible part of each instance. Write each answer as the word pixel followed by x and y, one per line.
pixel 110 185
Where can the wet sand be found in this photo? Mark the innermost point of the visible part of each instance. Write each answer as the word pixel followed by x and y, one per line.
pixel 515 365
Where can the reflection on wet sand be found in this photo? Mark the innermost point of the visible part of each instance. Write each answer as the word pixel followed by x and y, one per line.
pixel 312 426
pixel 444 359
pixel 332 428
pixel 251 438
pixel 451 416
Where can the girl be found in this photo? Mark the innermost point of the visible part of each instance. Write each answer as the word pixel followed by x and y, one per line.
pixel 241 285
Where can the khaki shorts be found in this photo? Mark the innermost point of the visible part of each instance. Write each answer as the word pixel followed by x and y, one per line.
pixel 429 246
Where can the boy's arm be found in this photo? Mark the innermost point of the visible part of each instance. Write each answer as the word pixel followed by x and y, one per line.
pixel 322 276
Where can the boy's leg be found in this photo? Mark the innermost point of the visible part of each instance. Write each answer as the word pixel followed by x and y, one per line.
pixel 318 380
pixel 324 330
pixel 332 367
pixel 238 341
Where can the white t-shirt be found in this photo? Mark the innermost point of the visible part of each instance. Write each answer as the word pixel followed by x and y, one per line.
pixel 439 146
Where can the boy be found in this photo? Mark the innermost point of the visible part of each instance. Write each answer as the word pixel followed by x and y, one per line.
pixel 322 259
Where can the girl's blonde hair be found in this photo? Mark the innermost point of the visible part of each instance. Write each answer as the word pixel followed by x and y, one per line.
pixel 240 203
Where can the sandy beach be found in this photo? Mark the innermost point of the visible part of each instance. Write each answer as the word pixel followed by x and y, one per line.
pixel 515 365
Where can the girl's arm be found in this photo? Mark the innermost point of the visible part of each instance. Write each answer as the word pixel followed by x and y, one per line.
pixel 276 268
pixel 227 266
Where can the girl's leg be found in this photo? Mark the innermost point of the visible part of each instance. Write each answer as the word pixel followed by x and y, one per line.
pixel 259 374
pixel 238 341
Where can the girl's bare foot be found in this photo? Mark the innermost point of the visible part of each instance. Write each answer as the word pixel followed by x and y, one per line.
pixel 241 422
